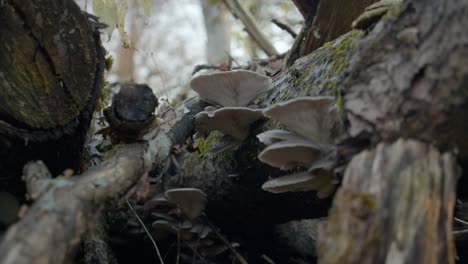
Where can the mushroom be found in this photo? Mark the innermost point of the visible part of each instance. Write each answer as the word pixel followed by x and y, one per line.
pixel 231 88
pixel 288 154
pixel 273 136
pixel 158 203
pixel 312 117
pixel 191 201
pixel 322 182
pixel 232 121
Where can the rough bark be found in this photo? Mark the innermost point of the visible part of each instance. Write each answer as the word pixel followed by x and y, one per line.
pixel 409 77
pixel 51 67
pixel 406 80
pixel 396 203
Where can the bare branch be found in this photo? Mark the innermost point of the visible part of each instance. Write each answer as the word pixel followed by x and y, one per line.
pixel 284 27
pixel 250 26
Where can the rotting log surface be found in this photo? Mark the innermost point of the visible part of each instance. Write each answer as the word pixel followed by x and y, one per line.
pixel 396 204
pixel 51 72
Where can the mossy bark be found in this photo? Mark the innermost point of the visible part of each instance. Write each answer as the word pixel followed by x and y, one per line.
pixel 51 72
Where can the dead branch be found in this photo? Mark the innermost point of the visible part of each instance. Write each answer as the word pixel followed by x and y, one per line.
pixel 251 26
pixel 51 230
pixel 284 27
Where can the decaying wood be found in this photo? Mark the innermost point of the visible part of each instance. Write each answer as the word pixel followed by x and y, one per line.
pixel 396 204
pixel 51 72
pixel 251 26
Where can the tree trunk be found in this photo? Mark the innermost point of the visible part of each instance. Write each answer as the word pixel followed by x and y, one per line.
pixel 51 72
pixel 325 21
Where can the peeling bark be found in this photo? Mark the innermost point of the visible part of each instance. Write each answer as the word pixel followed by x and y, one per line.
pixel 396 204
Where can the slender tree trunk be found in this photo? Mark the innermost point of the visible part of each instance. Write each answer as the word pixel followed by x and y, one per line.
pixel 217 32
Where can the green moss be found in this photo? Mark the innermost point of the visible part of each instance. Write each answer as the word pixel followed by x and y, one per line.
pixel 109 62
pixel 367 200
pixel 102 100
pixel 205 144
pixel 308 87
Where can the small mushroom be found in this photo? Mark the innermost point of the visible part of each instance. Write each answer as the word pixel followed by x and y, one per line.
pixel 162 229
pixel 231 88
pixel 321 182
pixel 288 154
pixel 273 136
pixel 232 121
pixel 312 117
pixel 191 201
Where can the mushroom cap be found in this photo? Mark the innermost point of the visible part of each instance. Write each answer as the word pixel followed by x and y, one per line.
pixel 231 88
pixel 312 117
pixel 323 183
pixel 159 203
pixel 288 154
pixel 276 135
pixel 191 201
pixel 233 121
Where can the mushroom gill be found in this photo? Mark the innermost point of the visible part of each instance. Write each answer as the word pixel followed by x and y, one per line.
pixel 314 125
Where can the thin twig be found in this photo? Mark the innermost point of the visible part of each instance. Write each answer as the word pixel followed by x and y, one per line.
pixel 147 232
pixel 178 246
pixel 460 221
pixel 251 26
pixel 226 242
pixel 284 27
pixel 204 67
pixel 267 259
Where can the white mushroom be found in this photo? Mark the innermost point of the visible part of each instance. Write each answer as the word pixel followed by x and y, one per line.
pixel 312 117
pixel 288 154
pixel 232 121
pixel 322 182
pixel 231 88
pixel 191 201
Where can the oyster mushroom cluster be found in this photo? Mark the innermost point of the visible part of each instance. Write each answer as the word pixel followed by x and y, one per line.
pixel 177 214
pixel 313 126
pixel 230 94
